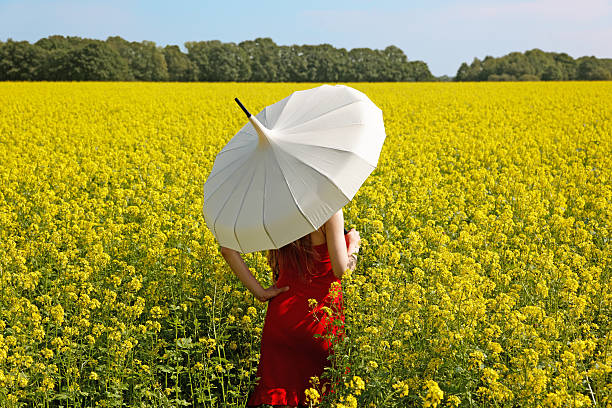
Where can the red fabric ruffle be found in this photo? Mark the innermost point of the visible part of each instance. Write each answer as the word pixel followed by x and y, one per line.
pixel 276 396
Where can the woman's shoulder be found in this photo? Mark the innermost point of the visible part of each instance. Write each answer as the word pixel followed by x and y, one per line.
pixel 318 237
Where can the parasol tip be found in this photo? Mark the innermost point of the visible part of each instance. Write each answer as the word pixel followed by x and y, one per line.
pixel 248 114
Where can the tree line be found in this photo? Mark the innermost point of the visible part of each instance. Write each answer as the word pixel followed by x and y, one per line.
pixel 536 65
pixel 59 58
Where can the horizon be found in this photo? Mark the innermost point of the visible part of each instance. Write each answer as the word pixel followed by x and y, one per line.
pixel 475 29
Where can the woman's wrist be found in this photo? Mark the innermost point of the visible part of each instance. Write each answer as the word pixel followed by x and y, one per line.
pixel 352 261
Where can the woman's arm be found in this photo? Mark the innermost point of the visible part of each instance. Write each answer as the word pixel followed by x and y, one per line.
pixel 236 263
pixel 336 245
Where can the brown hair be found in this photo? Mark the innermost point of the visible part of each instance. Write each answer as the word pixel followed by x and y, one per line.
pixel 299 254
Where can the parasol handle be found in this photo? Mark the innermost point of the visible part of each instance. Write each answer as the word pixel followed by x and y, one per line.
pixel 242 107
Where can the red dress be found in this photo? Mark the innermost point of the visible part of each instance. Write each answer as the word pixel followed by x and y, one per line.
pixel 290 354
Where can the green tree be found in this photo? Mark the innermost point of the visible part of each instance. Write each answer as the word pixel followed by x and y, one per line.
pixel 217 61
pixel 56 66
pixel 333 63
pixel 552 73
pixel 197 51
pixel 364 64
pixel 515 65
pixel 96 61
pixel 321 63
pixel 313 62
pixel 501 77
pixel 59 42
pixel 540 61
pixel 180 67
pixel 606 63
pixel 293 68
pixel 463 72
pixel 263 57
pixel 532 65
pixel 473 72
pixel 590 69
pixel 21 61
pixel 145 60
pixel 528 77
pixel 396 66
pixel 567 65
pixel 420 71
pixel 228 62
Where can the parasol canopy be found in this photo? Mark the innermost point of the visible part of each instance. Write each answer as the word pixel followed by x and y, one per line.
pixel 291 167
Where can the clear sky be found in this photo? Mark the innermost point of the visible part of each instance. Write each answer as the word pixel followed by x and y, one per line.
pixel 443 33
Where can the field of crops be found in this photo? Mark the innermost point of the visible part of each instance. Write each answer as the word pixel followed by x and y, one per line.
pixel 484 276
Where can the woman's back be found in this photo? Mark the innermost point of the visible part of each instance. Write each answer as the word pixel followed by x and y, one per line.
pixel 302 282
pixel 317 237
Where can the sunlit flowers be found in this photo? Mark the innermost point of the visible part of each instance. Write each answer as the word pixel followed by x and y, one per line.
pixel 483 275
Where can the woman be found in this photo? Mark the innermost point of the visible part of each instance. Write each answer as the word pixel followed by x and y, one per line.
pixel 303 269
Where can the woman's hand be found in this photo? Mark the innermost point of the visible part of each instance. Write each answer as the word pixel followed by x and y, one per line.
pixel 236 263
pixel 239 267
pixel 271 292
pixel 337 244
pixel 354 241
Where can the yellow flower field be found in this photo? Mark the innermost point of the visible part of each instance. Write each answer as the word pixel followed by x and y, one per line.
pixel 484 277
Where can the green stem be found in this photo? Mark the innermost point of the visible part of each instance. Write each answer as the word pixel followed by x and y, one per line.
pixel 217 346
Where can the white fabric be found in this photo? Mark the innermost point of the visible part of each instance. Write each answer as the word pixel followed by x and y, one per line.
pixel 291 167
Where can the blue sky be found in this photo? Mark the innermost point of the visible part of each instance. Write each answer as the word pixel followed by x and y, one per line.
pixel 443 33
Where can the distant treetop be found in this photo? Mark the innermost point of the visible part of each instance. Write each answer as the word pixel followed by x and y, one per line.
pixel 535 65
pixel 59 58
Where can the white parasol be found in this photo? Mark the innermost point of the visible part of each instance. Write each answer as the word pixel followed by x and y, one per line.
pixel 291 167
